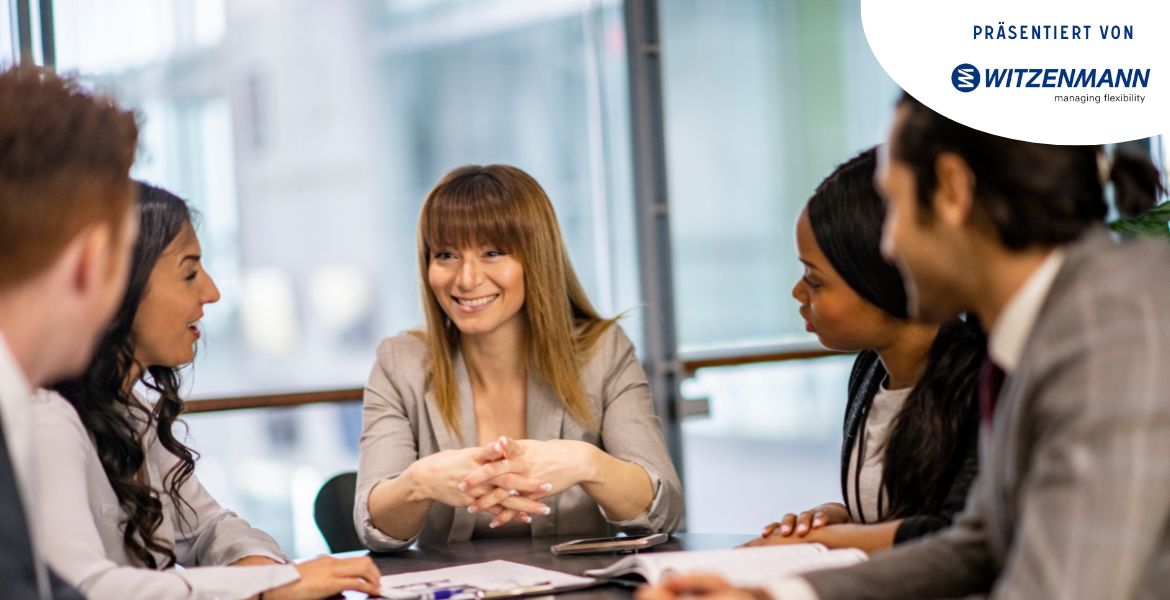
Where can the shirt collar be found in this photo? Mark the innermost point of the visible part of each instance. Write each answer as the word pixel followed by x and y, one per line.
pixel 14 384
pixel 1005 342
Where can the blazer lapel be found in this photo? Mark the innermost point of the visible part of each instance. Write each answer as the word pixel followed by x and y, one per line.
pixel 545 418
pixel 1011 436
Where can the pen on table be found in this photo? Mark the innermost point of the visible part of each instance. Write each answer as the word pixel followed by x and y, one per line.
pixel 441 593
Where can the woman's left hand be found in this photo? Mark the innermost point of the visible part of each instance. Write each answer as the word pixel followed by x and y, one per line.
pixel 254 561
pixel 815 536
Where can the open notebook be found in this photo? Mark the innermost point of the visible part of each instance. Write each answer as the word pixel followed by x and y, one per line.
pixel 741 566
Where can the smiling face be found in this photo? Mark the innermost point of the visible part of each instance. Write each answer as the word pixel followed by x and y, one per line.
pixel 166 325
pixel 840 318
pixel 481 289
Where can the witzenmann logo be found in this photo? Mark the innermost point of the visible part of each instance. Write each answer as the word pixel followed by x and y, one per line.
pixel 965 77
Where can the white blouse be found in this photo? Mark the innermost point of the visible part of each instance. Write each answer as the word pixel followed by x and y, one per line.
pixel 81 524
pixel 885 408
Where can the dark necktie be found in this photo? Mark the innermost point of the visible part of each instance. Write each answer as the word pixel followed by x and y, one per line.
pixel 990 383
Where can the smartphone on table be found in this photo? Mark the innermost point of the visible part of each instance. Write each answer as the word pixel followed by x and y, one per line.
pixel 630 543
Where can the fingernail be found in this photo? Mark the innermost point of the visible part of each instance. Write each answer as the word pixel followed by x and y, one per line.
pixel 472 509
pixel 493 525
pixel 462 486
pixel 801 529
pixel 545 510
pixel 784 529
pixel 526 518
pixel 547 487
pixel 513 493
pixel 503 439
pixel 497 448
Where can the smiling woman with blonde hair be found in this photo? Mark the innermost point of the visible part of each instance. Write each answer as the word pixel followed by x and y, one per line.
pixel 491 421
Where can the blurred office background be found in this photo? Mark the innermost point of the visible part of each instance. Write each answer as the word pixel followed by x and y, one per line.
pixel 307 133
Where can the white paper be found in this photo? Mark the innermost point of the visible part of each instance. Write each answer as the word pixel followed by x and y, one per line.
pixel 487 576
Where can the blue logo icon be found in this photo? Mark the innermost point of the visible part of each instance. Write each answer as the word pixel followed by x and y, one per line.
pixel 965 77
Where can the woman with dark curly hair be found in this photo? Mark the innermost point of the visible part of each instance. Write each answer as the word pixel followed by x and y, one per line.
pixel 115 452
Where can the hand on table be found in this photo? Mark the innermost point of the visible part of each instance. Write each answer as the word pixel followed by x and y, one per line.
pixel 327 576
pixel 792 527
pixel 254 561
pixel 708 586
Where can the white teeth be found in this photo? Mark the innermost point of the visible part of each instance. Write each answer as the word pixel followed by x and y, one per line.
pixel 473 302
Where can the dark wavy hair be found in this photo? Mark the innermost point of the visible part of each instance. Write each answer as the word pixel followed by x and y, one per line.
pixel 940 418
pixel 1029 194
pixel 115 418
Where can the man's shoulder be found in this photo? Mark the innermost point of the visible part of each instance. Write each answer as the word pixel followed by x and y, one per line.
pixel 1098 265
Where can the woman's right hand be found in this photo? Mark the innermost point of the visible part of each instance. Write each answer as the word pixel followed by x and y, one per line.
pixel 830 513
pixel 326 577
pixel 438 477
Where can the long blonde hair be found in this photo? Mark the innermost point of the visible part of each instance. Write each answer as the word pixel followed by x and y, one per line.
pixel 505 207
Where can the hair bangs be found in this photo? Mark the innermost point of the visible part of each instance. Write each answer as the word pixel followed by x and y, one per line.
pixel 470 211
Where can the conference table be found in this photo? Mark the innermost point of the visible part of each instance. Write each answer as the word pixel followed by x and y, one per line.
pixel 535 552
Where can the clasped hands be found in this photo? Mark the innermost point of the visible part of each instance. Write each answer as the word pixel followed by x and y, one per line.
pixel 506 478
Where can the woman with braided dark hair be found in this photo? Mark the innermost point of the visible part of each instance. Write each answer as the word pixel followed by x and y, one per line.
pixel 116 453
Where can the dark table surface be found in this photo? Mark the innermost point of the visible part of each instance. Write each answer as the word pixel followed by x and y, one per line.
pixel 535 552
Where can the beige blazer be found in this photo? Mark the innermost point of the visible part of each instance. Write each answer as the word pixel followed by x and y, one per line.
pixel 1073 494
pixel 401 422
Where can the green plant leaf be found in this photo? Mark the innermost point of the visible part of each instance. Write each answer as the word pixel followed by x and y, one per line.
pixel 1153 223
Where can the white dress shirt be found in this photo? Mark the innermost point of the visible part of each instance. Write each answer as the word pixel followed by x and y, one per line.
pixel 1009 333
pixel 15 394
pixel 81 524
pixel 1005 345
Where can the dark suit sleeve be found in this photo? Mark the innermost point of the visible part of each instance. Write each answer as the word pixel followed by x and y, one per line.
pixel 953 564
pixel 61 590
pixel 1094 503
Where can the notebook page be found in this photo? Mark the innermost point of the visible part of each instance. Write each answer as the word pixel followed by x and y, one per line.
pixel 756 566
pixel 746 566
pixel 488 576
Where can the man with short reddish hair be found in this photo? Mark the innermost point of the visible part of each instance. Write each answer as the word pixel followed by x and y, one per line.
pixel 66 229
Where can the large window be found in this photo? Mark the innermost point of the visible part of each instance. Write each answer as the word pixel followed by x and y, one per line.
pixel 307 134
pixel 9 48
pixel 308 137
pixel 762 99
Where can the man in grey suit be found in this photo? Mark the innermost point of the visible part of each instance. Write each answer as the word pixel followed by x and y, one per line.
pixel 66 229
pixel 1073 496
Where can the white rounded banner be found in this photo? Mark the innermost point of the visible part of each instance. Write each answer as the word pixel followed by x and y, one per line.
pixel 1055 72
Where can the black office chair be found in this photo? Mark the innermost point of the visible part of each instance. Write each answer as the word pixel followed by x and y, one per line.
pixel 333 512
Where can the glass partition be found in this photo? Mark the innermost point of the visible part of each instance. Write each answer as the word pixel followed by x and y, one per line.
pixel 307 134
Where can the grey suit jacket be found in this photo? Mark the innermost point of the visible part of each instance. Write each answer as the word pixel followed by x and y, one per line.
pixel 1073 494
pixel 401 422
